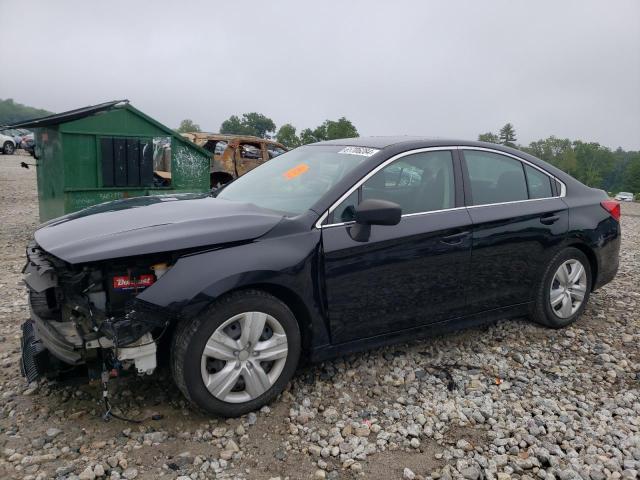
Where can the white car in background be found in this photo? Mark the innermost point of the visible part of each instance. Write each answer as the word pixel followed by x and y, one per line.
pixel 7 144
pixel 624 197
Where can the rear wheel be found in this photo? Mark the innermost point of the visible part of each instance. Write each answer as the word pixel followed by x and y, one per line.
pixel 8 148
pixel 564 290
pixel 238 355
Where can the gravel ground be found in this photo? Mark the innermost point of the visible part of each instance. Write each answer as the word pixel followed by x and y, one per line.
pixel 512 400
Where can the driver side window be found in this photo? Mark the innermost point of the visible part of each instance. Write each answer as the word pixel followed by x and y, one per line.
pixel 422 182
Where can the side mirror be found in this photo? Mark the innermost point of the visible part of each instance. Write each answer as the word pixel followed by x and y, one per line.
pixel 373 212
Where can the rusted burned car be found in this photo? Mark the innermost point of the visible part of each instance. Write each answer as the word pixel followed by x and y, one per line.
pixel 234 155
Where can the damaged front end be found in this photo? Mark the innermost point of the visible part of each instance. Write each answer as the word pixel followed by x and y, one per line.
pixel 88 316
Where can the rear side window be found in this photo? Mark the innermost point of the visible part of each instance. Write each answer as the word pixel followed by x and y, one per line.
pixel 539 183
pixel 495 178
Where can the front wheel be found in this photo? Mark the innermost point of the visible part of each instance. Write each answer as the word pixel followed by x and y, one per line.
pixel 564 290
pixel 238 355
pixel 8 148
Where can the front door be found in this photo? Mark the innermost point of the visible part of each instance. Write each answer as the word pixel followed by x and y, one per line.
pixel 406 275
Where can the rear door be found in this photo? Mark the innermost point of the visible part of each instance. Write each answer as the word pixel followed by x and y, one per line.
pixel 406 275
pixel 519 223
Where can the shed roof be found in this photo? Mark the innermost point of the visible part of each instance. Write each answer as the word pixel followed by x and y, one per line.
pixel 83 112
pixel 68 116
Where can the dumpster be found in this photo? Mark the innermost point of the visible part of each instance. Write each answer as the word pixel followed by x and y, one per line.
pixel 107 152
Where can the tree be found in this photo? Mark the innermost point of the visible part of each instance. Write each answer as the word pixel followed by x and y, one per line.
pixel 489 137
pixel 594 163
pixel 589 162
pixel 632 175
pixel 508 135
pixel 12 112
pixel 233 125
pixel 287 136
pixel 320 132
pixel 187 125
pixel 261 125
pixel 343 128
pixel 329 130
pixel 615 179
pixel 307 136
pixel 252 123
pixel 557 151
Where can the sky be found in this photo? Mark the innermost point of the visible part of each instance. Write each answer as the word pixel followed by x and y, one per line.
pixel 449 69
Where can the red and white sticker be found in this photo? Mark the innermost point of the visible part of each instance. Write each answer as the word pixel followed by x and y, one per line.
pixel 124 282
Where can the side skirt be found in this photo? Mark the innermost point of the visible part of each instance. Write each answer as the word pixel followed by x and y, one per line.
pixel 326 352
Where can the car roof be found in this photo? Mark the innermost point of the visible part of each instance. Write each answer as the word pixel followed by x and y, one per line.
pixel 399 143
pixel 388 141
pixel 375 141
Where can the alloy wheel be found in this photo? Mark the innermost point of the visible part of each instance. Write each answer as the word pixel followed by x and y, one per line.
pixel 568 288
pixel 244 357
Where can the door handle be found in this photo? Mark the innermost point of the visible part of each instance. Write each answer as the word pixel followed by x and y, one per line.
pixel 454 239
pixel 549 220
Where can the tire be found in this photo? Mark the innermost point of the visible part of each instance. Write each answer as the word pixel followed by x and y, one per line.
pixel 226 318
pixel 8 148
pixel 560 314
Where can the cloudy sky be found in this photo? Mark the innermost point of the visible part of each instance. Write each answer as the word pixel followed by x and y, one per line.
pixel 447 69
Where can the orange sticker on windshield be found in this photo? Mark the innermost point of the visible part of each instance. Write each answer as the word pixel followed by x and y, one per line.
pixel 296 171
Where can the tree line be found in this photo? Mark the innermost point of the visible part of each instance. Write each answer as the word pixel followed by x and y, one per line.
pixel 12 112
pixel 259 125
pixel 589 162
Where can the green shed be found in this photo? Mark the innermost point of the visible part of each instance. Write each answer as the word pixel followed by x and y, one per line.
pixel 111 151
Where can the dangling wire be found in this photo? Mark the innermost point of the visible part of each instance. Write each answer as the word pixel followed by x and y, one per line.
pixel 108 414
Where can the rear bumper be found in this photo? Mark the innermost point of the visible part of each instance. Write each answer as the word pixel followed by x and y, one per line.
pixel 608 256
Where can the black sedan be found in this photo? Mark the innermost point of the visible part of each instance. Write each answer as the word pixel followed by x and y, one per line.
pixel 324 250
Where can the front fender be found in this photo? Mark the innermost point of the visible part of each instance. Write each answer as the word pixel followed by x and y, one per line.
pixel 196 280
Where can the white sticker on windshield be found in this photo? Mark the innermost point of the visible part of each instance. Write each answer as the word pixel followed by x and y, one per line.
pixel 364 151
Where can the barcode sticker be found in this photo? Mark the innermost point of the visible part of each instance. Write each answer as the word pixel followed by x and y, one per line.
pixel 364 151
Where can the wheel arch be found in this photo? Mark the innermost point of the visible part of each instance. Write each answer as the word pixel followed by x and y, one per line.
pixel 591 256
pixel 295 303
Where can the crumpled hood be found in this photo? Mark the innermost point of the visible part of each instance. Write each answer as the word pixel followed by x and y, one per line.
pixel 153 224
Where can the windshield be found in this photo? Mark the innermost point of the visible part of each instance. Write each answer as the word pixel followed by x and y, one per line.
pixel 294 181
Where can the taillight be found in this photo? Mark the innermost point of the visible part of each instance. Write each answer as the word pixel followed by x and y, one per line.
pixel 612 207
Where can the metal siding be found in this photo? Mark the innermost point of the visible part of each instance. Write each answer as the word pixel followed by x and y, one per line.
pixel 106 151
pixel 81 161
pixel 120 161
pixel 146 163
pixel 133 162
pixel 50 173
